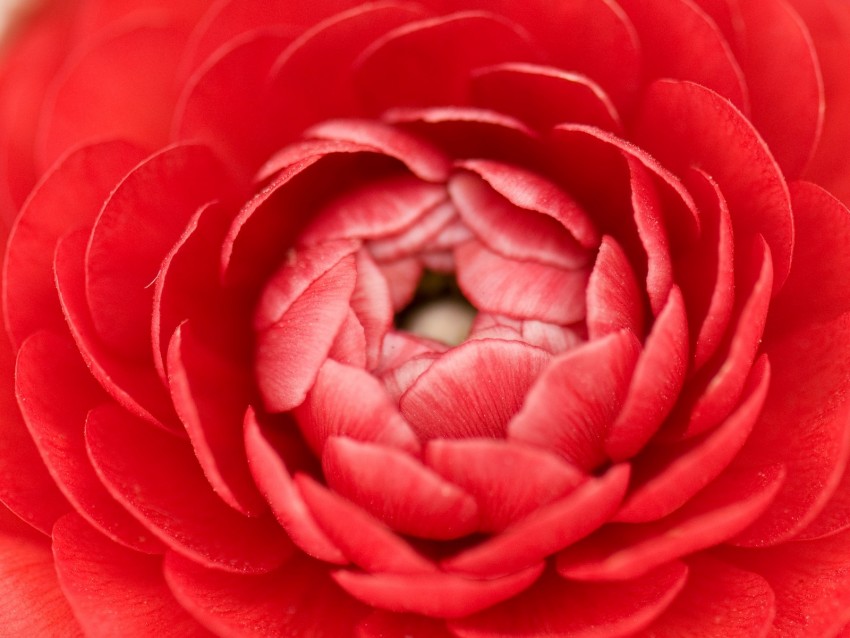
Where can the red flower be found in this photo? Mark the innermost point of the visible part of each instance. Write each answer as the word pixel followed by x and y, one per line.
pixel 220 417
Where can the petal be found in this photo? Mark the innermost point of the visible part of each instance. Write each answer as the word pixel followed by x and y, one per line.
pixel 440 595
pixel 298 599
pixel 115 591
pixel 522 289
pixel 571 610
pixel 654 388
pixel 348 401
pixel 90 173
pixel 191 520
pixel 570 408
pixel 290 352
pixel 382 624
pixel 398 490
pixel 547 530
pixel 472 390
pixel 508 481
pixel 624 552
pixel 543 96
pixel 55 393
pixel 134 231
pixel 613 299
pixel 665 477
pixel 266 448
pixel 390 73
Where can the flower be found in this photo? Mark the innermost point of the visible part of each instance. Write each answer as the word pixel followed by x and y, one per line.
pixel 220 417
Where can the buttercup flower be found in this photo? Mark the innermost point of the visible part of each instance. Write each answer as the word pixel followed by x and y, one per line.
pixel 221 414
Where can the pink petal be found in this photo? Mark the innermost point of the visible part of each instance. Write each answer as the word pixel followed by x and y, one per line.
pixel 555 606
pixel 55 393
pixel 711 395
pixel 403 277
pixel 614 301
pixel 508 481
pixel 718 597
pixel 90 173
pixel 522 289
pixel 784 79
pixel 33 603
pixel 313 81
pixel 115 591
pixel 191 520
pixel 533 192
pixel 398 380
pixel 348 401
pixel 472 390
pixel 433 224
pixel 135 229
pixel 421 158
pixel 135 386
pixel 680 41
pixel 398 490
pixel 547 530
pixel 665 477
pixel 570 408
pixel 658 377
pixel 122 86
pixel 543 96
pixel 723 142
pixel 372 303
pixel 439 595
pixel 299 599
pixel 514 232
pixel 624 552
pixel 309 312
pixel 266 448
pixel 362 538
pixel 349 346
pixel 390 73
pixel 206 387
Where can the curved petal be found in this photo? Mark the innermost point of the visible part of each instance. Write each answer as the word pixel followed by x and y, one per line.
pixel 614 302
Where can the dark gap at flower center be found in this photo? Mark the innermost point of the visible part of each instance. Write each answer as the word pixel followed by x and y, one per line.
pixel 438 310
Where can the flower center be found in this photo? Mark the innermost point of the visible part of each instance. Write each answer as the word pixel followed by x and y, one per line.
pixel 438 310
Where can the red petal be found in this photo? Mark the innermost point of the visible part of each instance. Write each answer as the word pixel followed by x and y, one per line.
pixel 115 591
pixel 383 624
pixel 472 390
pixel 390 73
pixel 123 87
pixel 722 141
pixel 398 490
pixel 349 346
pixel 440 595
pixel 290 351
pixel 624 552
pixel 366 541
pixel 680 41
pixel 90 173
pixel 613 299
pixel 543 96
pixel 296 600
pixel 191 520
pixel 513 232
pixel 579 610
pixel 347 401
pixel 33 603
pixel 135 386
pixel 55 393
pixel 508 481
pixel 531 192
pixel 522 289
pixel 718 597
pixel 658 377
pixel 134 232
pixel 570 408
pixel 433 225
pixel 548 529
pixel 783 76
pixel 277 485
pixel 206 387
pixel 665 477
